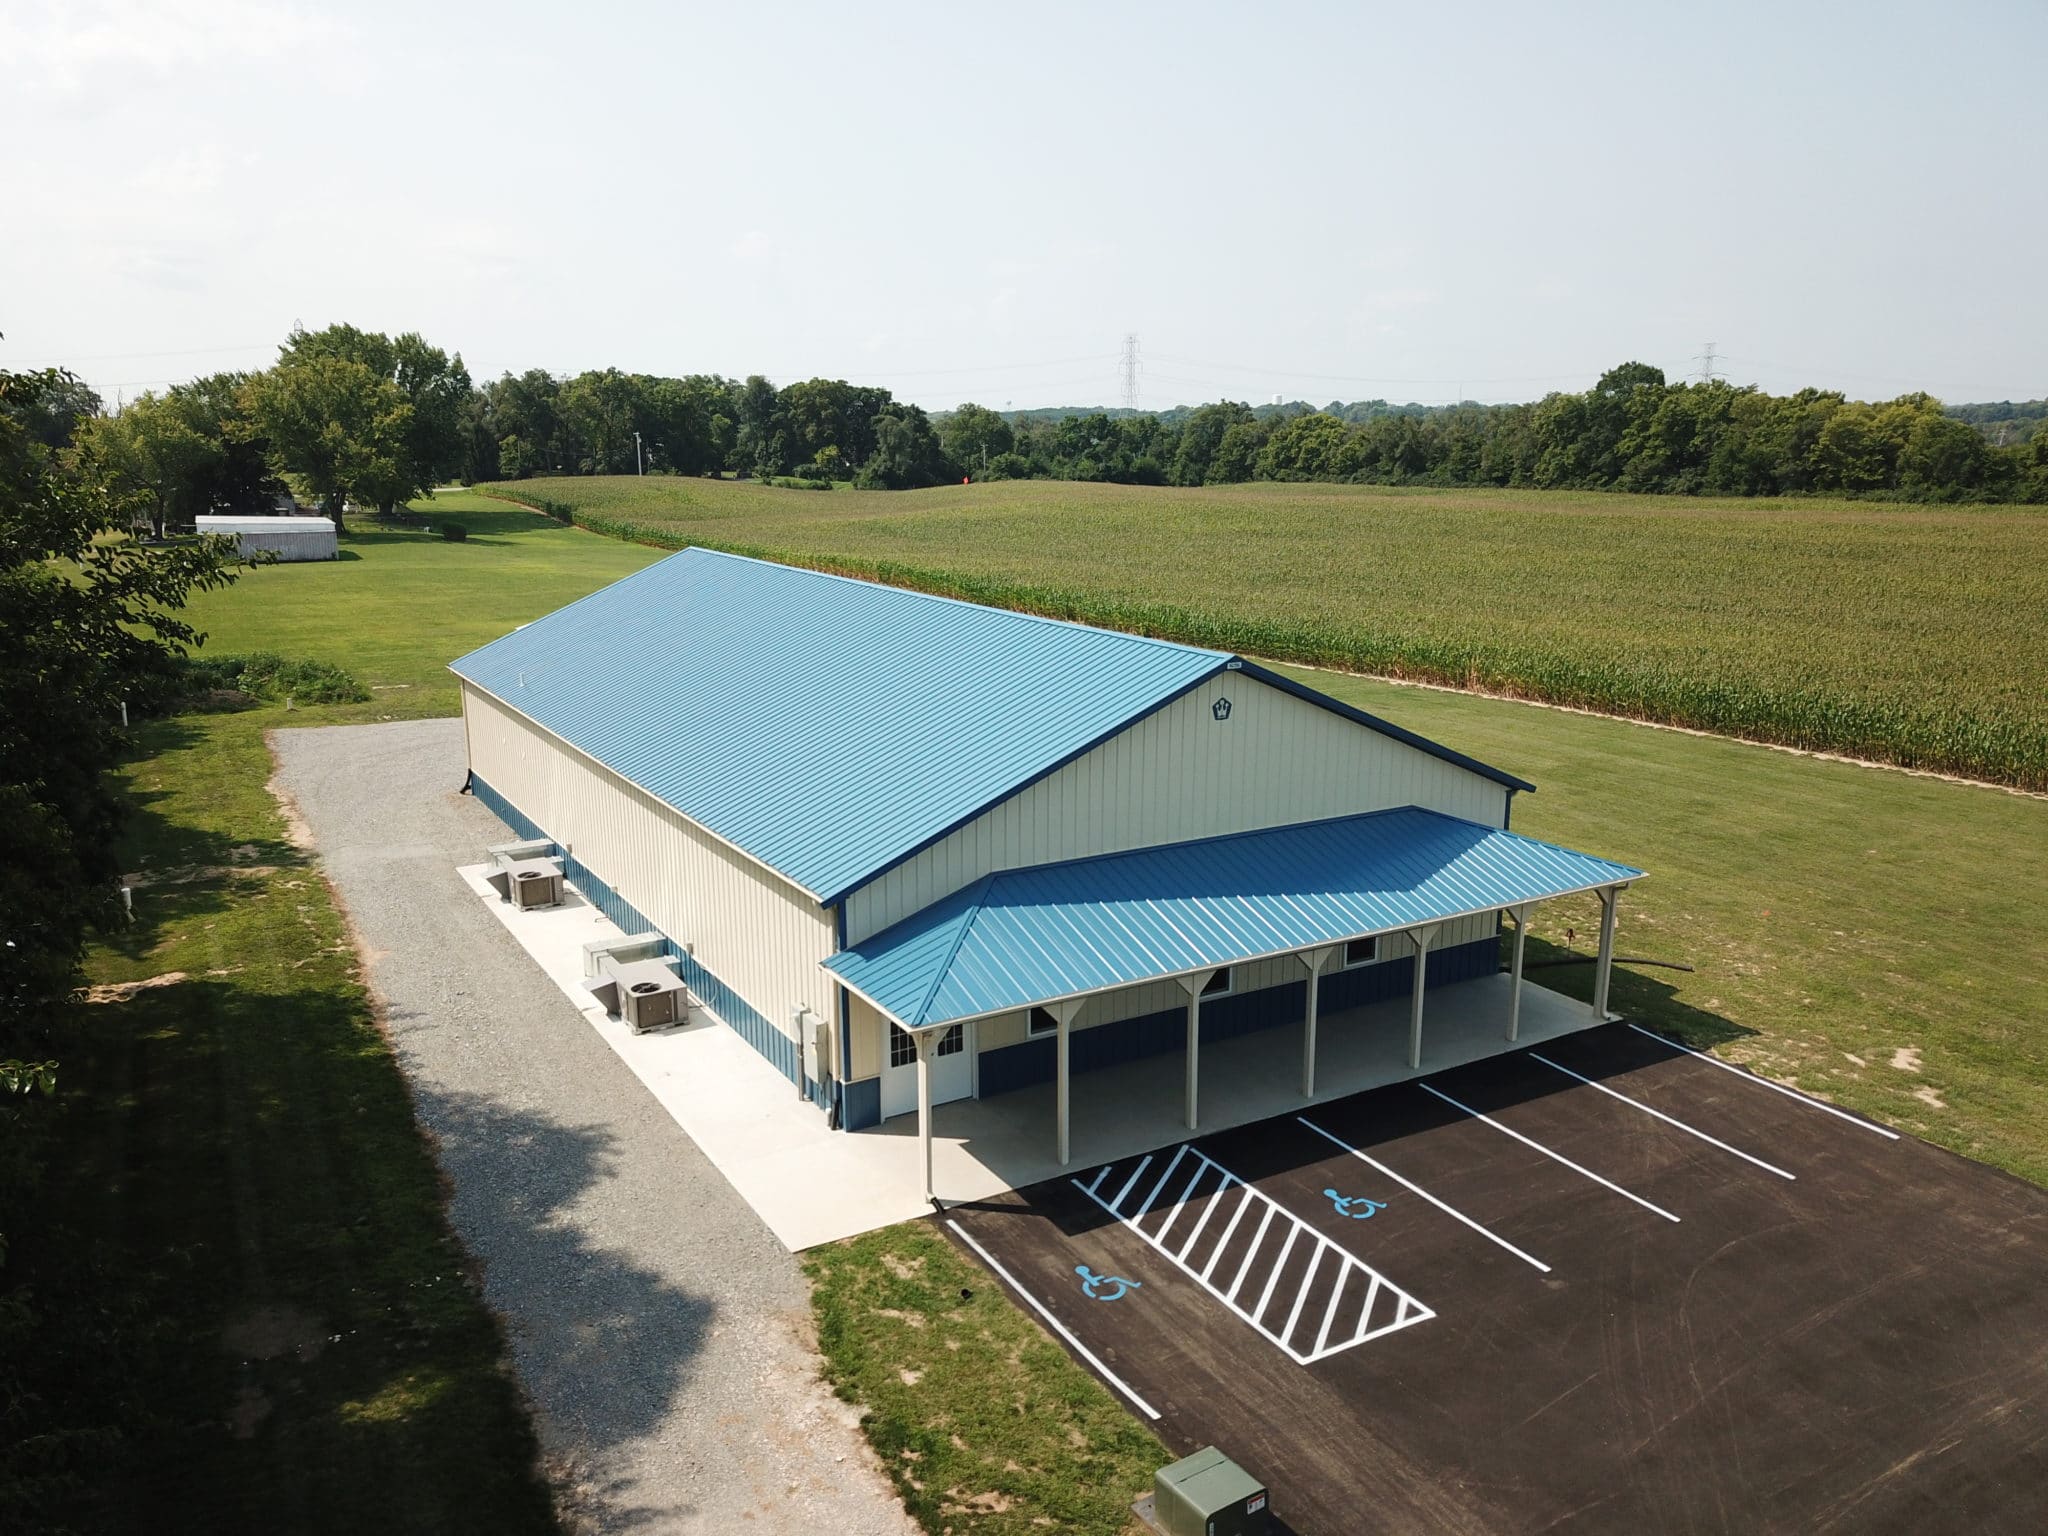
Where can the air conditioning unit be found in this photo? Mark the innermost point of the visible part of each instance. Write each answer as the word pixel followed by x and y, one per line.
pixel 645 994
pixel 1206 1494
pixel 646 1005
pixel 533 883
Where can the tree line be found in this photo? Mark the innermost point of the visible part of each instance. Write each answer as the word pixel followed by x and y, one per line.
pixel 1633 431
pixel 348 416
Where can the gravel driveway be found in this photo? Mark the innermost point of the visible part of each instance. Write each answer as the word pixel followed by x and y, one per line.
pixel 659 1328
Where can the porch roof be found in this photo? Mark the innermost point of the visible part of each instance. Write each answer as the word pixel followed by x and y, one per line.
pixel 1021 937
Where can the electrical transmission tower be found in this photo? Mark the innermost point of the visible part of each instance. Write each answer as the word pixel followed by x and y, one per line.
pixel 1708 371
pixel 1131 371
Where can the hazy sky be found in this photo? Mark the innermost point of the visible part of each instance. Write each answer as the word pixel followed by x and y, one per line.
pixel 978 202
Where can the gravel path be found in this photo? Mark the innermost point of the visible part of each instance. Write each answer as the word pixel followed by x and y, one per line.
pixel 659 1328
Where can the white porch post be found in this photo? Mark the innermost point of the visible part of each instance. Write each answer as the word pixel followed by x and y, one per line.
pixel 1064 1014
pixel 925 1040
pixel 1315 960
pixel 1603 972
pixel 1193 985
pixel 1422 937
pixel 1515 987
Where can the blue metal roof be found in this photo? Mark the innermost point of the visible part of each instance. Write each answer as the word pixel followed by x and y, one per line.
pixel 1026 936
pixel 831 728
pixel 824 726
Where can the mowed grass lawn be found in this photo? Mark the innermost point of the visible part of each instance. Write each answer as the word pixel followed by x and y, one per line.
pixel 1871 935
pixel 402 603
pixel 1909 634
pixel 245 1269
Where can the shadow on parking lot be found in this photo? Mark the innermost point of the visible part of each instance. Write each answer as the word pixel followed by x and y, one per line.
pixel 603 1342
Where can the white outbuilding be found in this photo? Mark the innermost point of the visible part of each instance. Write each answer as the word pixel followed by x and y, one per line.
pixel 289 538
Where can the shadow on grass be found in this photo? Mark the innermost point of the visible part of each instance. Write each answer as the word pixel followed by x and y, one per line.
pixel 500 519
pixel 1649 995
pixel 255 1311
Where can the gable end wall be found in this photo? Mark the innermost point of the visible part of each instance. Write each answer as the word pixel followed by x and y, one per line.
pixel 1181 773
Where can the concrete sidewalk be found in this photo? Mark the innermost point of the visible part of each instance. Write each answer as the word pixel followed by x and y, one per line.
pixel 658 1325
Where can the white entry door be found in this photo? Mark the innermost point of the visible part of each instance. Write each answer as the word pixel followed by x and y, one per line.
pixel 952 1070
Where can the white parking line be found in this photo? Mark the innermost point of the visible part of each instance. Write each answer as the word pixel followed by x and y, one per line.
pixel 1352 1281
pixel 1052 1322
pixel 1765 1082
pixel 1556 1157
pixel 1410 1185
pixel 1667 1119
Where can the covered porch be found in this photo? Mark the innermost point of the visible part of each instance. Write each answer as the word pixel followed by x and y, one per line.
pixel 981 1147
pixel 1052 938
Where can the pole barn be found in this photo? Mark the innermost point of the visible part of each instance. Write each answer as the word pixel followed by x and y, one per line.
pixel 915 850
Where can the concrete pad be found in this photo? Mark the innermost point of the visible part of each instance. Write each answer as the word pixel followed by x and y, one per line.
pixel 810 1184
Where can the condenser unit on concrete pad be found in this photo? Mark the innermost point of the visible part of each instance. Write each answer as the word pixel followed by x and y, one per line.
pixel 534 883
pixel 1206 1494
pixel 645 994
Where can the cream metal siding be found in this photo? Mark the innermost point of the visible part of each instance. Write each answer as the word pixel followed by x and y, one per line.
pixel 1181 773
pixel 866 1027
pixel 750 928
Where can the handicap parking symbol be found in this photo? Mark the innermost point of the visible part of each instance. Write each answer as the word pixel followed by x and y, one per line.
pixel 1357 1207
pixel 1104 1287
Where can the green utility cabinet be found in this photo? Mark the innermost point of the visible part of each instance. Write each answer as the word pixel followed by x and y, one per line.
pixel 1208 1494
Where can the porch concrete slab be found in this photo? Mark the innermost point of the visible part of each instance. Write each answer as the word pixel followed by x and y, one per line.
pixel 810 1184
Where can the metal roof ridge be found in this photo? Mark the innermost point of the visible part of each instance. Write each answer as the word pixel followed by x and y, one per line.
pixel 965 602
pixel 970 909
pixel 1146 711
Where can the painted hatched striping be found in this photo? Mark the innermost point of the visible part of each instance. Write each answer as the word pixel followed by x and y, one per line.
pixel 1173 1204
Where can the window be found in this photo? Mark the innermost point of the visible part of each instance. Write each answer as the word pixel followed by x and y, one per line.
pixel 1218 985
pixel 903 1049
pixel 1042 1022
pixel 1361 952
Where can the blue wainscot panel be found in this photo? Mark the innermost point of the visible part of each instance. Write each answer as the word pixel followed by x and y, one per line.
pixel 1155 1034
pixel 864 1104
pixel 776 1048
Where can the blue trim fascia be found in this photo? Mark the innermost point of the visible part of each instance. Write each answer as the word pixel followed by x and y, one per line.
pixel 1358 716
pixel 839 1094
pixel 738 1015
pixel 1023 784
pixel 1034 1061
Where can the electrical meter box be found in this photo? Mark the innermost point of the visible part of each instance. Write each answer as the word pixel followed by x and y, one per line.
pixel 1208 1494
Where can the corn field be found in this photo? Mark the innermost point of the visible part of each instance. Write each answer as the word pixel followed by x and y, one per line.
pixel 1908 635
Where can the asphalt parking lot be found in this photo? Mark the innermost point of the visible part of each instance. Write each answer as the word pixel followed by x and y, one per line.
pixel 1601 1285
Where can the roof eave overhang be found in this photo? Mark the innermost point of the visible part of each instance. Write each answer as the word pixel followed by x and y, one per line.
pixel 1619 883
